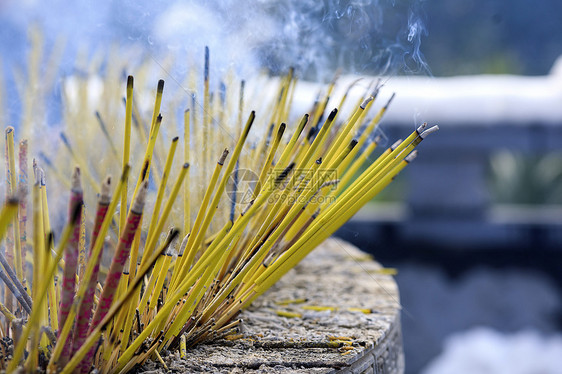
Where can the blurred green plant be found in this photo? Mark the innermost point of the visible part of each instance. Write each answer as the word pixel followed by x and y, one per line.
pixel 518 178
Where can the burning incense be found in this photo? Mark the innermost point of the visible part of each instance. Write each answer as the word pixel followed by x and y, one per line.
pixel 85 312
pixel 71 252
pixel 121 256
pixel 157 293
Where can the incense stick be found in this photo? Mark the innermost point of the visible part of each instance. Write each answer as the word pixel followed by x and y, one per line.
pixel 305 188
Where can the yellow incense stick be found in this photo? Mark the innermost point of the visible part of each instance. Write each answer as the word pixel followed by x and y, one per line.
pixel 126 149
pixel 34 319
pixel 162 189
pixel 232 250
pixel 186 194
pixel 12 184
pixel 89 270
pixel 8 213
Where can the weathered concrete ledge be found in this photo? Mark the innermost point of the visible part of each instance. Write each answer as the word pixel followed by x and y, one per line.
pixel 338 339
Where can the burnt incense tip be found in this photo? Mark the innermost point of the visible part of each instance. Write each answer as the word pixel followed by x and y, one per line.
pixel 422 127
pixel 186 111
pixel 186 165
pixel 138 204
pixel 159 118
pixel 366 101
pixel 319 161
pixel 42 177
pixel 130 80
pixel 395 144
pixel 333 114
pixel 160 86
pixel 144 170
pixel 223 157
pixel 50 239
pixel 375 92
pixel 250 123
pixel 36 173
pixel 9 129
pixel 183 245
pixel 247 207
pixel 431 130
pixel 175 139
pixel 105 195
pixel 311 133
pixel 282 127
pixel 411 156
pixel 174 233
pixel 206 73
pixel 76 185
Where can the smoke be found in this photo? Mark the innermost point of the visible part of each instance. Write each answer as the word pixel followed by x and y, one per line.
pixel 416 30
pixel 316 37
pixel 357 36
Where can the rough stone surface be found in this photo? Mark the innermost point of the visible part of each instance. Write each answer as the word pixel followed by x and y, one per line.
pixel 335 275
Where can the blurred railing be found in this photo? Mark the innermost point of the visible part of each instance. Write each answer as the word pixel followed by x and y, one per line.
pixel 448 194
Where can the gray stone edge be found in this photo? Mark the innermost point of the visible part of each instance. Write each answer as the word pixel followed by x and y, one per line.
pixel 385 357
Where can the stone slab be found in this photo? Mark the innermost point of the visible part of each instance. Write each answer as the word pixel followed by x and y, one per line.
pixel 335 275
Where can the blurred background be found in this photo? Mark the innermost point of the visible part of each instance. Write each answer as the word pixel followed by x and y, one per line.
pixel 474 226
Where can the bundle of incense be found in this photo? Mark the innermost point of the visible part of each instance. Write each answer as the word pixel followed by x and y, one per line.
pixel 262 191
